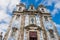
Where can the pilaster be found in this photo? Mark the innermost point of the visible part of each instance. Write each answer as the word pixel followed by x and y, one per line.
pixel 42 26
pixel 22 27
pixel 9 28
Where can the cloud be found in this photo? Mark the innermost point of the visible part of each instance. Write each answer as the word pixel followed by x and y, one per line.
pixel 3 15
pixel 50 2
pixel 6 5
pixel 12 4
pixel 57 25
pixel 55 11
pixel 55 6
pixel 3 28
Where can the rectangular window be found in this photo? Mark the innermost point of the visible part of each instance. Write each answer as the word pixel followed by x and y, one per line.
pixel 52 35
pixel 46 18
pixel 18 16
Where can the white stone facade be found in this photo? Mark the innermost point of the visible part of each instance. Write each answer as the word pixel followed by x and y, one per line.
pixel 31 20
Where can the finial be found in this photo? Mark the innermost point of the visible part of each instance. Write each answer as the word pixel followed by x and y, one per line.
pixel 31 6
pixel 20 4
pixel 41 5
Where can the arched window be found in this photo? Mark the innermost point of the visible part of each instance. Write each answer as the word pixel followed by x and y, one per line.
pixel 46 18
pixel 14 30
pixel 13 34
pixel 51 33
pixel 32 20
pixel 20 8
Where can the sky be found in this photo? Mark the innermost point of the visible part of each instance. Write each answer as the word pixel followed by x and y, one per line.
pixel 7 7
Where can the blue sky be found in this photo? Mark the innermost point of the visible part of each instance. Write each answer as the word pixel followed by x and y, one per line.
pixel 7 6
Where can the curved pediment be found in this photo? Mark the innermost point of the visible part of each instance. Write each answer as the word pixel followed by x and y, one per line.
pixel 34 26
pixel 31 8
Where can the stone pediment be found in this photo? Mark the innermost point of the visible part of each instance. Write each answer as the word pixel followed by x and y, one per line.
pixel 33 26
pixel 31 8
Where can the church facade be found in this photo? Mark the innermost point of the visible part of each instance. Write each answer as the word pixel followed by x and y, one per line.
pixel 31 24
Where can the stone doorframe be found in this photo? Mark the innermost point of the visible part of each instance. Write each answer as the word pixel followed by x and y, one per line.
pixel 32 28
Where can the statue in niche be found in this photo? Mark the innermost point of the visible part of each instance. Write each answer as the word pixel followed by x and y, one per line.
pixel 32 20
pixel 13 34
pixel 46 18
pixel 13 31
pixel 51 33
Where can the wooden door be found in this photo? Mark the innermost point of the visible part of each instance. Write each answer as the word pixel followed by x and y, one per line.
pixel 32 35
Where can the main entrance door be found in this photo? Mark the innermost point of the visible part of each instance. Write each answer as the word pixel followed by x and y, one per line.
pixel 33 35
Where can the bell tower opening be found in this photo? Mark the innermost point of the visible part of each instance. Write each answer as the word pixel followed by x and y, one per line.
pixel 32 35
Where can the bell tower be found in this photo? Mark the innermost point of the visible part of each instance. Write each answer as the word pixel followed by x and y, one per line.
pixel 15 30
pixel 31 24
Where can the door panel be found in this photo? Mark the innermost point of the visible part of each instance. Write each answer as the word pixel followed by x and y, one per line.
pixel 32 35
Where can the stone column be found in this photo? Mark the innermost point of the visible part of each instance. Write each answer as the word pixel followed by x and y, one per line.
pixel 27 35
pixel 19 35
pixel 38 35
pixel 9 28
pixel 22 27
pixel 42 26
